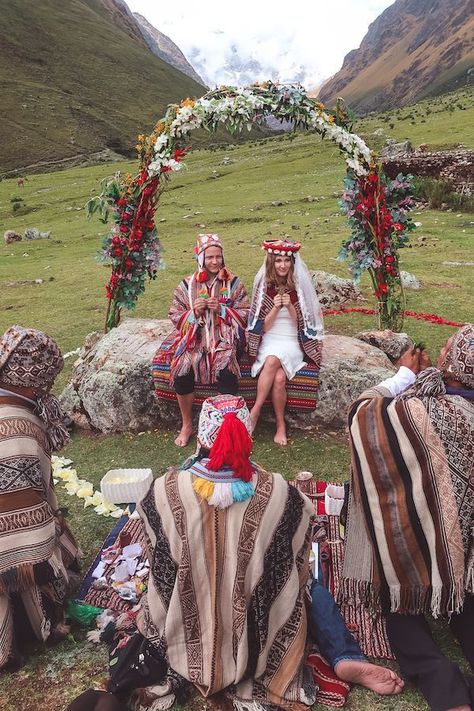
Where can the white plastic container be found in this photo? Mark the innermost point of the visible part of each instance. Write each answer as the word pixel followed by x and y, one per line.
pixel 125 486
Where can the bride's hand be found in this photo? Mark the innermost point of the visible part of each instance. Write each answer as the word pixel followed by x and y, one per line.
pixel 278 301
pixel 285 300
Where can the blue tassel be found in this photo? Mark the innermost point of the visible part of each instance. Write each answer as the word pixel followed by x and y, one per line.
pixel 242 490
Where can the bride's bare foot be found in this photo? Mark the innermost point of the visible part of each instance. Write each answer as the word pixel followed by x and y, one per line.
pixel 280 436
pixel 183 438
pixel 373 677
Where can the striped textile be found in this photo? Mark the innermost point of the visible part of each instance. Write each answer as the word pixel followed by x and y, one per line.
pixel 226 590
pixel 35 542
pixel 410 535
pixel 301 390
pixel 367 626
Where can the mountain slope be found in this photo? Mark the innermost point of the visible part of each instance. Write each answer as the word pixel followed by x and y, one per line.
pixel 415 48
pixel 76 76
pixel 163 47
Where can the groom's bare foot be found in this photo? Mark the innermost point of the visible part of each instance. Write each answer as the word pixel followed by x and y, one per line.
pixel 280 436
pixel 254 415
pixel 378 679
pixel 183 438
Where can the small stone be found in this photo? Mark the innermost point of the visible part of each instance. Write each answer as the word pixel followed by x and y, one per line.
pixel 277 203
pixel 409 281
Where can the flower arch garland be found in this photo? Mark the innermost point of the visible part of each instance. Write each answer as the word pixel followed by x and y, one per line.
pixel 377 207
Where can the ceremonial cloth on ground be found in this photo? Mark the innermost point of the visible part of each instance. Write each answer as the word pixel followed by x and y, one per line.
pixel 411 515
pixel 301 390
pixel 225 598
pixel 36 546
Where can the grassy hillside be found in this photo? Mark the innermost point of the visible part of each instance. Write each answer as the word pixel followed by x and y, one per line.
pixel 234 198
pixel 75 78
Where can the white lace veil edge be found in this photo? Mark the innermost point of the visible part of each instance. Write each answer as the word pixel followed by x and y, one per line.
pixel 309 303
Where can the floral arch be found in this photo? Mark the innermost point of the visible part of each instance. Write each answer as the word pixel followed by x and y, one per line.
pixel 377 207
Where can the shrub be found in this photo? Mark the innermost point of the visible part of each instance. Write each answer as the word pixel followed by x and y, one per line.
pixel 438 193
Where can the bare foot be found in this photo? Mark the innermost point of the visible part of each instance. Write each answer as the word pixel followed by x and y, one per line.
pixel 183 438
pixel 373 677
pixel 280 436
pixel 254 415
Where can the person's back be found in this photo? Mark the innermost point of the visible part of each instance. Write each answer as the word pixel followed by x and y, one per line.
pixel 229 566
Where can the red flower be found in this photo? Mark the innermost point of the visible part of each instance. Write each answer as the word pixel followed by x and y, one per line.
pixel 137 234
pixel 121 202
pixel 125 216
pixel 118 252
pixel 389 259
pixel 116 240
pixel 398 226
pixel 124 228
pixel 129 263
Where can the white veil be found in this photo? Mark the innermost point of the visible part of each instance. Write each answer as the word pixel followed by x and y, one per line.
pixel 309 303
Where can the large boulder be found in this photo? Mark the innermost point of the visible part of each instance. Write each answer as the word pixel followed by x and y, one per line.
pixel 333 290
pixel 393 344
pixel 111 389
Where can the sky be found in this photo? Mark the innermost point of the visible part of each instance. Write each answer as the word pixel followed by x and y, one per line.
pixel 305 42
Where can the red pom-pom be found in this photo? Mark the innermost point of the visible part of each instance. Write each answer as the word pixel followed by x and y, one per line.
pixel 202 277
pixel 232 448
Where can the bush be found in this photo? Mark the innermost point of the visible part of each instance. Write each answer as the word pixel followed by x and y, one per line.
pixel 438 193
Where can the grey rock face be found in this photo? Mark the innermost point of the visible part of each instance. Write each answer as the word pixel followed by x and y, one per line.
pixel 35 233
pixel 112 391
pixel 391 343
pixel 333 290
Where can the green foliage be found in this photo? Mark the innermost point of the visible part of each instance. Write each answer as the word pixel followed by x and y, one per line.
pixel 440 194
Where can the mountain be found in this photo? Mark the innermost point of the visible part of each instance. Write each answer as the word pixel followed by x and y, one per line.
pixel 163 47
pixel 77 77
pixel 414 49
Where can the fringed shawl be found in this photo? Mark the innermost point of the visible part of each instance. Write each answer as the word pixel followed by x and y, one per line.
pixel 225 598
pixel 35 543
pixel 209 344
pixel 411 514
pixel 312 347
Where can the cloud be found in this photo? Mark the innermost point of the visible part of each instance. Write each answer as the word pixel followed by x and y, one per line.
pixel 307 42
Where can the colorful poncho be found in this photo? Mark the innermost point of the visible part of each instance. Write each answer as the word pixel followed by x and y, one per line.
pixel 225 600
pixel 410 537
pixel 35 543
pixel 210 343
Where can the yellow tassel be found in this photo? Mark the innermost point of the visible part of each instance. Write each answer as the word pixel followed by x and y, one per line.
pixel 204 488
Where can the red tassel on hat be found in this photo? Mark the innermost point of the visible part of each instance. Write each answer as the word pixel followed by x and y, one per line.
pixel 232 448
pixel 203 276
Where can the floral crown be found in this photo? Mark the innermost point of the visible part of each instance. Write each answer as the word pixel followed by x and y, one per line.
pixel 284 247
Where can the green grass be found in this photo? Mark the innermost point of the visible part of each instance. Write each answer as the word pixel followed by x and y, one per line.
pixel 238 205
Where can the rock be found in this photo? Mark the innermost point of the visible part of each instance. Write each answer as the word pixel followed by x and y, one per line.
pixel 333 290
pixel 393 149
pixel 391 343
pixel 112 391
pixel 409 281
pixel 277 203
pixel 348 368
pixel 378 132
pixel 11 236
pixel 111 387
pixel 35 233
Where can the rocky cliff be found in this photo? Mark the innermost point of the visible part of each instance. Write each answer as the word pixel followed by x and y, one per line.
pixel 415 48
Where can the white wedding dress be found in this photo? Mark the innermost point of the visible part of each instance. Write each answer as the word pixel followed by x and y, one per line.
pixel 281 340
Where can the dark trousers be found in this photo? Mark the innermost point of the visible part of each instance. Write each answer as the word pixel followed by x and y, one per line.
pixel 329 630
pixel 227 383
pixel 425 666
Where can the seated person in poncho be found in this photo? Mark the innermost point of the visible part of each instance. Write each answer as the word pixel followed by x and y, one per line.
pixel 209 310
pixel 285 329
pixel 410 534
pixel 229 548
pixel 36 546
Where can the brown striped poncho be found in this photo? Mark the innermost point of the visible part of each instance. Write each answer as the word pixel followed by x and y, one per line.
pixel 225 599
pixel 36 547
pixel 410 537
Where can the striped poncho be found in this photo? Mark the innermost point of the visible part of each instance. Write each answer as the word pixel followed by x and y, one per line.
pixel 36 547
pixel 225 600
pixel 208 344
pixel 410 537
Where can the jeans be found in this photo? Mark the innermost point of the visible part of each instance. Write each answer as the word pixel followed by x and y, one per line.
pixel 334 640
